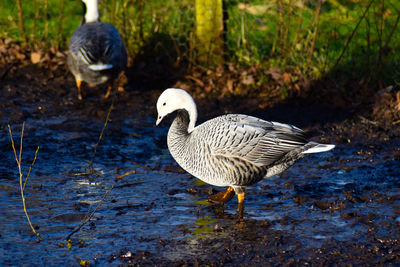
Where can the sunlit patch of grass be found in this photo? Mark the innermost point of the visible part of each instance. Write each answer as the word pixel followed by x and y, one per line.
pixel 310 37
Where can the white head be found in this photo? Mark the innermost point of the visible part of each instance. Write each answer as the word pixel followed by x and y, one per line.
pixel 174 99
pixel 92 10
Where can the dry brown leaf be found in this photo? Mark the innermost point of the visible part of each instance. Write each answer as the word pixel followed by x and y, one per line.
pixel 229 84
pixel 262 105
pixel 35 57
pixel 286 77
pixel 20 56
pixel 60 55
pixel 275 73
pixel 45 58
pixel 196 80
pixel 248 80
pixel 3 48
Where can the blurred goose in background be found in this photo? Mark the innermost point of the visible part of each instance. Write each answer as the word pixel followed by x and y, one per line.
pixel 96 51
pixel 231 150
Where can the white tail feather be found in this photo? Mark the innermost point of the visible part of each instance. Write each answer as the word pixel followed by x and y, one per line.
pixel 99 67
pixel 319 148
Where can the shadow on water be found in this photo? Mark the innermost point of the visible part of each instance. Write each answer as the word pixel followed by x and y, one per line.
pixel 158 213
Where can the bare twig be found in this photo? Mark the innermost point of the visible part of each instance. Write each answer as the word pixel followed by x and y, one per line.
pixel 392 31
pixel 352 34
pixel 61 7
pixel 281 26
pixel 278 28
pixel 22 186
pixel 91 214
pixel 299 23
pixel 46 21
pixel 30 168
pixel 317 16
pixel 21 21
pixel 101 136
pixel 287 25
pixel 125 174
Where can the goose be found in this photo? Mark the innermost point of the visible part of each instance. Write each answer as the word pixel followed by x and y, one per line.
pixel 233 150
pixel 96 52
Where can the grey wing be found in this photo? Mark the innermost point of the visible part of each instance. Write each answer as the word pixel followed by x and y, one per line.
pixel 98 42
pixel 252 139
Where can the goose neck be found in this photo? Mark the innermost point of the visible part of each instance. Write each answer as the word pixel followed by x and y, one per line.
pixel 92 11
pixel 181 124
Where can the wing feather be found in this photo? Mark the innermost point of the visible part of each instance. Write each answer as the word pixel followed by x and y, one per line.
pixel 249 138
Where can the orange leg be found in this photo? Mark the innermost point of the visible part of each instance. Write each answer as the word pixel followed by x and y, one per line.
pixel 110 86
pixel 223 196
pixel 78 85
pixel 108 90
pixel 121 80
pixel 240 205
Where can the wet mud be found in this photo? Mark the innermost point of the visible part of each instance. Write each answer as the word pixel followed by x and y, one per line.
pixel 335 208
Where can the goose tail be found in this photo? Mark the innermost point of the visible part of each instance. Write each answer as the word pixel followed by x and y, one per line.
pixel 317 148
pixel 100 67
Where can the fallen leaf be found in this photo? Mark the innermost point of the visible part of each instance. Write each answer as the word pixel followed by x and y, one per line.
pixel 35 57
pixel 248 80
pixel 275 73
pixel 286 77
pixel 20 56
pixel 398 101
pixel 229 84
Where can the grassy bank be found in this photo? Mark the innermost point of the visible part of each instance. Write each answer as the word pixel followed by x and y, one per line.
pixel 306 38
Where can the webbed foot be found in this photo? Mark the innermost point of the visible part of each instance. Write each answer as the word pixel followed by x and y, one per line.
pixel 223 196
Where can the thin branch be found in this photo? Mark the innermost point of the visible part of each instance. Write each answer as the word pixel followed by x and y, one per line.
pixel 299 23
pixel 20 146
pixel 101 136
pixel 393 30
pixel 22 187
pixel 91 214
pixel 12 144
pixel 352 34
pixel 21 21
pixel 125 174
pixel 30 168
pixel 317 17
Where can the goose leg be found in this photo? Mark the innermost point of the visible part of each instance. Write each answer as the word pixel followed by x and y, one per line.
pixel 223 196
pixel 240 205
pixel 78 85
pixel 121 80
pixel 110 86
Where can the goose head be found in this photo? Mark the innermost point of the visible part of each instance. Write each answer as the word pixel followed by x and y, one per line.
pixel 173 99
pixel 91 10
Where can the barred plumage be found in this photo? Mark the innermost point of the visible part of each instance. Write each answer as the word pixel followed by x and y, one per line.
pixel 231 150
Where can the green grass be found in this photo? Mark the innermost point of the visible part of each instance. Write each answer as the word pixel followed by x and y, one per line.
pixel 294 35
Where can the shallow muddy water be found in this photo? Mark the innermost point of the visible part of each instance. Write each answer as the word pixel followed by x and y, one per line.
pixel 325 205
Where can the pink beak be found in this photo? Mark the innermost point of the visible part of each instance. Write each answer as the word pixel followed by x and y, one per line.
pixel 159 119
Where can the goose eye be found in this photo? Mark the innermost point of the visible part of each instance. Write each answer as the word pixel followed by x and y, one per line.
pixel 164 104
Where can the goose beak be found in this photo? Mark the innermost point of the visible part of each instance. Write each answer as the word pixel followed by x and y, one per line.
pixel 159 119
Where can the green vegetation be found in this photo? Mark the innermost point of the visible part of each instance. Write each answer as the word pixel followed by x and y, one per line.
pixel 307 37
